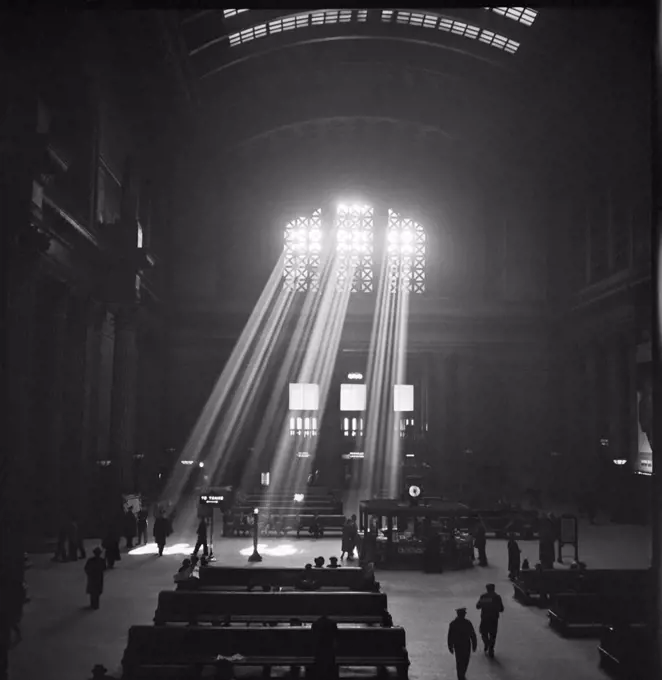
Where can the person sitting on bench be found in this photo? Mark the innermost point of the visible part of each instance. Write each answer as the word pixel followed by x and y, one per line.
pixel 315 528
pixel 319 563
pixel 333 562
pixel 306 579
pixel 326 633
pixel 184 572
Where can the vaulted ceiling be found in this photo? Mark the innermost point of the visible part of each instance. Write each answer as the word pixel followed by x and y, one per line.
pixel 505 89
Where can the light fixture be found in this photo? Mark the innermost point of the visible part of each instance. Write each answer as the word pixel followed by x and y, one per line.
pixel 298 498
pixel 201 464
pixel 355 376
pixel 256 511
pixel 187 462
pixel 620 461
pixel 303 454
pixel 409 455
pixel 356 454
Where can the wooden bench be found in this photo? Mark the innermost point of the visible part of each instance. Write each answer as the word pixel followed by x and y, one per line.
pixel 535 586
pixel 347 578
pixel 241 607
pixel 175 651
pixel 328 523
pixel 626 651
pixel 586 614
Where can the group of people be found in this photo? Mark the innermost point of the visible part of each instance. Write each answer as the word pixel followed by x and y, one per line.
pixel 462 638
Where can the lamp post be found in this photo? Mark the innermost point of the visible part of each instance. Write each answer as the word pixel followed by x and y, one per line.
pixel 255 557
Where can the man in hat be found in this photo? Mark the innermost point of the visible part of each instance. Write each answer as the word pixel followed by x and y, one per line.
pixel 94 568
pixel 491 606
pixel 461 640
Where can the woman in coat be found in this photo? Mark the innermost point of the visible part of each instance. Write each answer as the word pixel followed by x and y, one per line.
pixel 160 532
pixel 94 568
pixel 513 557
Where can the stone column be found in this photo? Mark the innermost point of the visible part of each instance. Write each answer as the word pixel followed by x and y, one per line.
pixel 123 402
pixel 90 416
pixel 54 471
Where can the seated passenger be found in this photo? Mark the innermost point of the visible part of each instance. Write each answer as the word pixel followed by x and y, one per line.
pixel 315 528
pixel 306 579
pixel 319 563
pixel 184 573
pixel 333 563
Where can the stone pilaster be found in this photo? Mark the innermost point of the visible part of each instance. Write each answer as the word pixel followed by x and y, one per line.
pixel 54 469
pixel 124 398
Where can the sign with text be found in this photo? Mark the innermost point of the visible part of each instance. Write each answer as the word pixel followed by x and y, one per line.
pixel 210 499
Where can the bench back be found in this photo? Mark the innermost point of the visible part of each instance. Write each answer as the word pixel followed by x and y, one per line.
pixel 189 606
pixel 596 608
pixel 325 521
pixel 180 645
pixel 603 581
pixel 344 577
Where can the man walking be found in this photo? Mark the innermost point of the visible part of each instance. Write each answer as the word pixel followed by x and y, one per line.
pixel 491 606
pixel 94 568
pixel 461 641
pixel 201 541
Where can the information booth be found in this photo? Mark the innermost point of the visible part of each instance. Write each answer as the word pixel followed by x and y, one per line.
pixel 406 536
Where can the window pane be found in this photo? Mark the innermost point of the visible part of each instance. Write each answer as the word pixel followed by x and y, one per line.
pixel 403 397
pixel 304 397
pixel 352 397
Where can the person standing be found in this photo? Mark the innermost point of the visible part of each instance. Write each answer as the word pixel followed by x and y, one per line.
pixel 346 544
pixel 201 541
pixel 142 527
pixel 94 568
pixel 111 544
pixel 461 641
pixel 129 528
pixel 491 607
pixel 480 542
pixel 513 557
pixel 325 632
pixel 160 532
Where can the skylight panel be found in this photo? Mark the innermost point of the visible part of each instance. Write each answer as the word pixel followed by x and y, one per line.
pixel 229 13
pixel 458 28
pixel 362 15
pixel 523 15
pixel 499 41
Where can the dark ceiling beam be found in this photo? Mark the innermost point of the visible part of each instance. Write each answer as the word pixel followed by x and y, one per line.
pixel 194 16
pixel 211 64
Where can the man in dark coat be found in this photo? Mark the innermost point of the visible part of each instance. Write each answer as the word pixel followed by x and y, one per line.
pixel 480 542
pixel 491 606
pixel 325 633
pixel 129 528
pixel 111 544
pixel 513 557
pixel 461 641
pixel 142 527
pixel 94 568
pixel 201 541
pixel 160 532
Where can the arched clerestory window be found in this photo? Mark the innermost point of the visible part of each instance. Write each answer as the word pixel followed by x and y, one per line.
pixel 302 249
pixel 406 253
pixel 355 225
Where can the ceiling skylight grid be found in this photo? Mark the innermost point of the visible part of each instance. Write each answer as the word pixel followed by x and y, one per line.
pixel 345 16
pixel 524 15
pixel 229 13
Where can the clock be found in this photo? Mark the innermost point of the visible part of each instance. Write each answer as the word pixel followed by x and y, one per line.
pixel 414 491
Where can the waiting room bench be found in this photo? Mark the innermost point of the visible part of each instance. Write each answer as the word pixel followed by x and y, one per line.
pixel 626 651
pixel 154 652
pixel 328 523
pixel 241 607
pixel 586 614
pixel 539 586
pixel 348 578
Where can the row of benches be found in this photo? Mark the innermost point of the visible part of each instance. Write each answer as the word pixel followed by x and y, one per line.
pixel 174 651
pixel 345 578
pixel 329 523
pixel 534 586
pixel 219 607
pixel 626 651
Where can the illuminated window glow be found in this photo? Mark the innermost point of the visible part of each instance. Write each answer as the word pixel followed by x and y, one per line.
pixel 352 397
pixel 229 13
pixel 352 427
pixel 303 245
pixel 523 15
pixel 406 254
pixel 417 19
pixel 304 397
pixel 303 426
pixel 403 398
pixel 354 246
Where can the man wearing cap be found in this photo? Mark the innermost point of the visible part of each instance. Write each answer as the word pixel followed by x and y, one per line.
pixel 461 640
pixel 491 606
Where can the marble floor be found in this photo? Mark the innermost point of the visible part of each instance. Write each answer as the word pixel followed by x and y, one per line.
pixel 63 639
